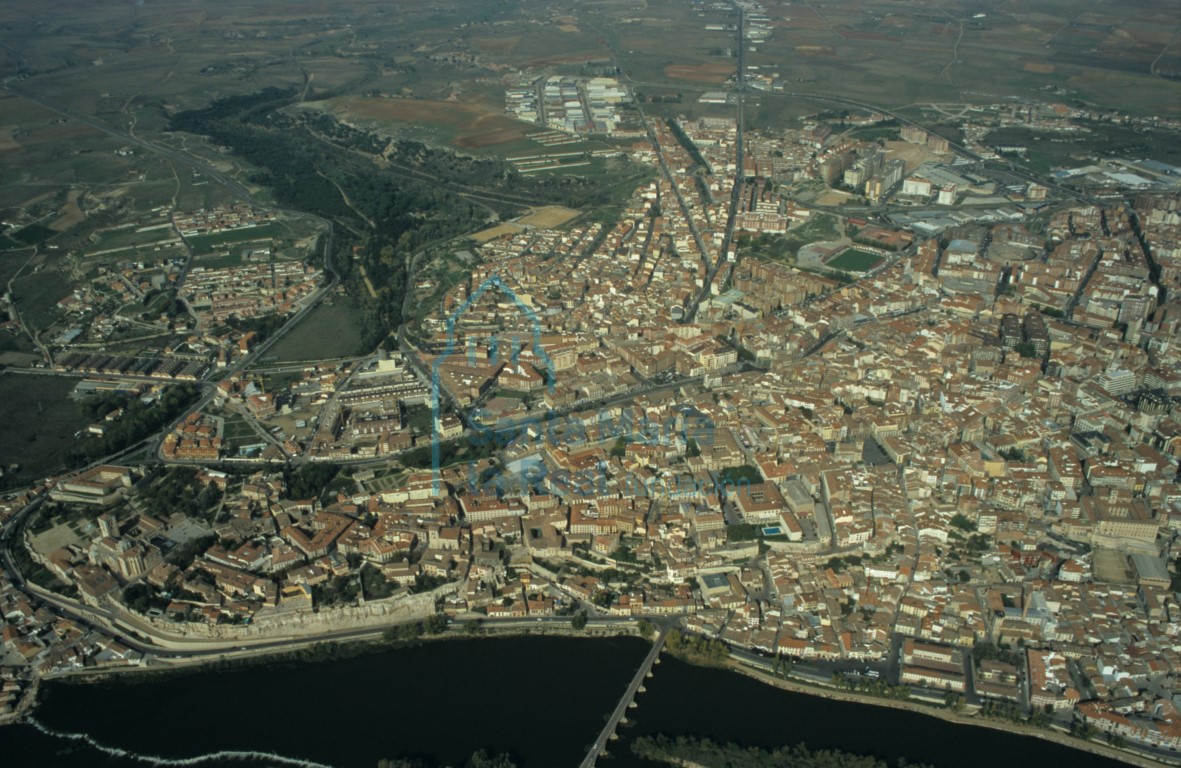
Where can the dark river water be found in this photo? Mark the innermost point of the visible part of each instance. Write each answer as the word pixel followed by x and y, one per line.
pixel 543 700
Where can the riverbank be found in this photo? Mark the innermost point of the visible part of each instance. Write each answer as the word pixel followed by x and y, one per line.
pixel 397 697
pixel 1056 737
pixel 312 651
pixel 332 651
pixel 402 701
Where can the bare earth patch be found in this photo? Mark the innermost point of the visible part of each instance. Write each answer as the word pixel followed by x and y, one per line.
pixel 710 72
pixel 547 216
pixel 471 125
pixel 1037 66
pixel 70 213
pixel 500 230
pixel 815 50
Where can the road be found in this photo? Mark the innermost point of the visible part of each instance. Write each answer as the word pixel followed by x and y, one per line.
pixel 236 188
pixel 137 634
pixel 259 350
pixel 165 151
pixel 739 177
pixel 627 82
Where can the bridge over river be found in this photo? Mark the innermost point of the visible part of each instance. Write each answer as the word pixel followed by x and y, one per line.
pixel 627 700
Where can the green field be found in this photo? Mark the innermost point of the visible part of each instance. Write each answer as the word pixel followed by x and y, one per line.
pixel 1048 150
pixel 854 260
pixel 238 432
pixel 738 475
pixel 328 331
pixel 10 264
pixel 40 421
pixel 210 243
pixel 37 296
pixel 820 228
pixel 33 234
pixel 387 481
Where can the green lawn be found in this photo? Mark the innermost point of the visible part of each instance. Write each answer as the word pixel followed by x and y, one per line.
pixel 33 234
pixel 854 260
pixel 39 425
pixel 387 482
pixel 280 382
pixel 737 475
pixel 328 331
pixel 237 429
pixel 209 243
pixel 820 228
pixel 37 296
pixel 419 418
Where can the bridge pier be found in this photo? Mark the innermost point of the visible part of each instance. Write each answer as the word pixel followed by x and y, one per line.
pixel 626 702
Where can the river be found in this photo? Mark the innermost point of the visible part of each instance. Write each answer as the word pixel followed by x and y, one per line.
pixel 541 699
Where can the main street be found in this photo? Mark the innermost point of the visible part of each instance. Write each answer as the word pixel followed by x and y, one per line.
pixel 739 176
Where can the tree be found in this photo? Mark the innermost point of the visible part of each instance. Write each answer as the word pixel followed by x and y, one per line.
pixel 435 624
pixel 1027 350
pixel 646 628
pixel 138 597
pixel 961 521
pixel 484 760
pixel 579 620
